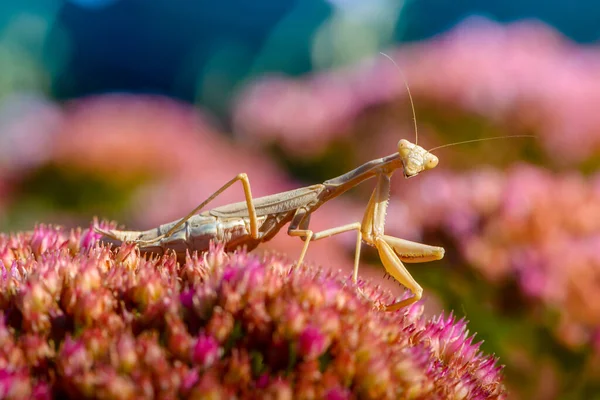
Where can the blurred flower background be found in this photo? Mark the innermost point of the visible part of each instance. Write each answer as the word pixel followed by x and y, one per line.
pixel 137 111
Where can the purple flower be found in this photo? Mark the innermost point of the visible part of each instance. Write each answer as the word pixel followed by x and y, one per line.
pixel 338 394
pixel 206 351
pixel 311 343
pixel 221 324
pixel 14 384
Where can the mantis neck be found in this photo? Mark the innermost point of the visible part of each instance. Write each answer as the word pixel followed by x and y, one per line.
pixel 343 183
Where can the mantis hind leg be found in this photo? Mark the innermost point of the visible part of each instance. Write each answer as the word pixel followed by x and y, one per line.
pixel 108 234
pixel 243 178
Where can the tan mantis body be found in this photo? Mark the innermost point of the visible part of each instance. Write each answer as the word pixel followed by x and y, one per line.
pixel 253 221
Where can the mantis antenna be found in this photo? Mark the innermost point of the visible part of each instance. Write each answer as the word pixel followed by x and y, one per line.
pixel 481 140
pixel 412 104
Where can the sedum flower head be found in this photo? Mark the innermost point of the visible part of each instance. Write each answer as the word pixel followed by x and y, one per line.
pixel 79 320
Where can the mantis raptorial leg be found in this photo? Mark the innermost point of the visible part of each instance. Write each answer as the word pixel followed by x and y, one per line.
pixel 391 250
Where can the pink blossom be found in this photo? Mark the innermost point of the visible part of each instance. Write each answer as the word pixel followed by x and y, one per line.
pixel 206 351
pixel 130 327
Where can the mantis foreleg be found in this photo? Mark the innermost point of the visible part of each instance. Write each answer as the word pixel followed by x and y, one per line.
pixel 392 251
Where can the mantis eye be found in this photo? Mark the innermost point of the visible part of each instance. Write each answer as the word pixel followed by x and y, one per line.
pixel 404 147
pixel 431 161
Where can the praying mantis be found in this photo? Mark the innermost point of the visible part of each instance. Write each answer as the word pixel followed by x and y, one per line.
pixel 255 220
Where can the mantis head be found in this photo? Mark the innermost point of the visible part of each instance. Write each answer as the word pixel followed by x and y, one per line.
pixel 415 158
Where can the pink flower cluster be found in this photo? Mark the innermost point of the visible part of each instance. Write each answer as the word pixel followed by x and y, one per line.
pixel 80 320
pixel 528 224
